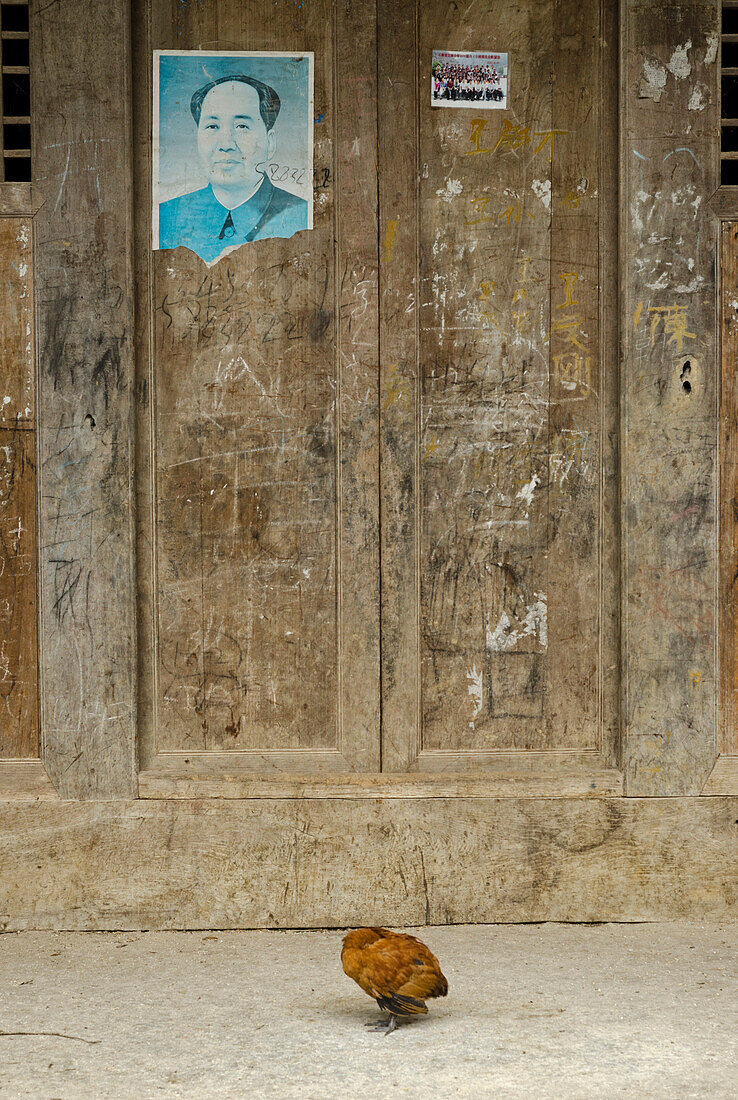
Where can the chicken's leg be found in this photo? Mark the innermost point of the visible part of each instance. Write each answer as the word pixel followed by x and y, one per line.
pixel 383 1025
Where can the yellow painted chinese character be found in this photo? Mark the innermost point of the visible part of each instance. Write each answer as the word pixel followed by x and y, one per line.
pixel 432 447
pixel 547 136
pixel 522 281
pixel 481 204
pixel 568 278
pixel 572 370
pixel 475 138
pixel 389 238
pixel 695 679
pixel 518 318
pixel 675 325
pixel 513 212
pixel 511 136
pixel 570 329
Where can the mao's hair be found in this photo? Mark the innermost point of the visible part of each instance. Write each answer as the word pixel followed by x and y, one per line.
pixel 269 103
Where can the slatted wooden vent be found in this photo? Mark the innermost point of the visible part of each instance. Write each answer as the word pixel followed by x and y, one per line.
pixel 729 95
pixel 16 91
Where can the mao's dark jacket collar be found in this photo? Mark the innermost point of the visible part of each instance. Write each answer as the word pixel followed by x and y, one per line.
pixel 199 222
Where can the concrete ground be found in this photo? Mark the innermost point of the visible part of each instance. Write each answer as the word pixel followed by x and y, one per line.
pixel 542 1011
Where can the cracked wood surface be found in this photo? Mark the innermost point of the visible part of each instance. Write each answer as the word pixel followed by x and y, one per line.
pixel 82 166
pixel 19 729
pixel 669 150
pixel 262 627
pixel 342 862
pixel 498 393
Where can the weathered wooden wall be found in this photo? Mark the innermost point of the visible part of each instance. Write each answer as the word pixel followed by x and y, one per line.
pixel 498 359
pixel 668 270
pixel 264 612
pixel 445 349
pixel 19 728
pixel 83 273
pixel 335 862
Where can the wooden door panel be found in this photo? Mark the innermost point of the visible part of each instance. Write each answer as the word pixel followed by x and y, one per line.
pixel 497 385
pixel 19 732
pixel 262 583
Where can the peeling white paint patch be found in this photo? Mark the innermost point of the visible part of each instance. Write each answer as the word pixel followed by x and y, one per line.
pixel 659 284
pixel 679 63
pixel 22 237
pixel 505 636
pixel 653 81
pixel 475 688
pixel 439 245
pixel 713 41
pixel 526 493
pixel 542 188
pixel 451 190
pixel 692 286
pixel 699 98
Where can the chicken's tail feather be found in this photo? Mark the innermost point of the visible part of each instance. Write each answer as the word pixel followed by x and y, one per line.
pixel 400 1005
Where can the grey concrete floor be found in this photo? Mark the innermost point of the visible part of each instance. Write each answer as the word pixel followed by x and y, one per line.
pixel 533 1011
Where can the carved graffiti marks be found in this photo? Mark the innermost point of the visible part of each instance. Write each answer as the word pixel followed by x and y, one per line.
pixel 19 735
pixel 18 627
pixel 578 198
pixel 484 322
pixel 492 368
pixel 669 428
pixel 246 497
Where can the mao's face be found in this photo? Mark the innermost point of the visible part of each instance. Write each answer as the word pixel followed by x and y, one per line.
pixel 231 135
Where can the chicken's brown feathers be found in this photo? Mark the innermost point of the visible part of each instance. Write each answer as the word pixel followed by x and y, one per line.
pixel 397 969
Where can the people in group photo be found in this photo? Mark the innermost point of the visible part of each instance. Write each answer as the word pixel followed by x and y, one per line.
pixel 466 83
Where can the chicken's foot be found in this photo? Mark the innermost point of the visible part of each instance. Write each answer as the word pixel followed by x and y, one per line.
pixel 385 1026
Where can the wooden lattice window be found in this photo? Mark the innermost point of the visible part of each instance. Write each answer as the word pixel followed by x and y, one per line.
pixel 16 91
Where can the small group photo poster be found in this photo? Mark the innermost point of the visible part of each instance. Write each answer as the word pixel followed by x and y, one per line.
pixel 232 148
pixel 477 80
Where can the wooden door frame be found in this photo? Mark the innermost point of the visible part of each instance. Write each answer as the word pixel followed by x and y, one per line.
pixel 723 778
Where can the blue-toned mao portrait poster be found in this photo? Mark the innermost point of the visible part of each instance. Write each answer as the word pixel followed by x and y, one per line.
pixel 232 148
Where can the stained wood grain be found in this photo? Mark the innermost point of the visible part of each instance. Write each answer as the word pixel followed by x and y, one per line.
pixel 729 470
pixel 259 533
pixel 82 165
pixel 17 365
pixel 669 155
pixel 241 864
pixel 19 728
pixel 498 395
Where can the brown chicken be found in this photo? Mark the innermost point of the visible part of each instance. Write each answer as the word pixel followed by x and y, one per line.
pixel 396 969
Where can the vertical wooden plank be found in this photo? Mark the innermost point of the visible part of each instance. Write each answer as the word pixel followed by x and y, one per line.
pixel 19 735
pixel 261 595
pixel 729 494
pixel 576 383
pixel 669 155
pixel 19 738
pixel 357 307
pixel 399 85
pixel 82 163
pixel 17 382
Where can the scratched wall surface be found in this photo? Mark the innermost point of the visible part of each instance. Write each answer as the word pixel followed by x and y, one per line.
pixel 495 391
pixel 263 442
pixel 670 146
pixel 80 59
pixel 19 737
